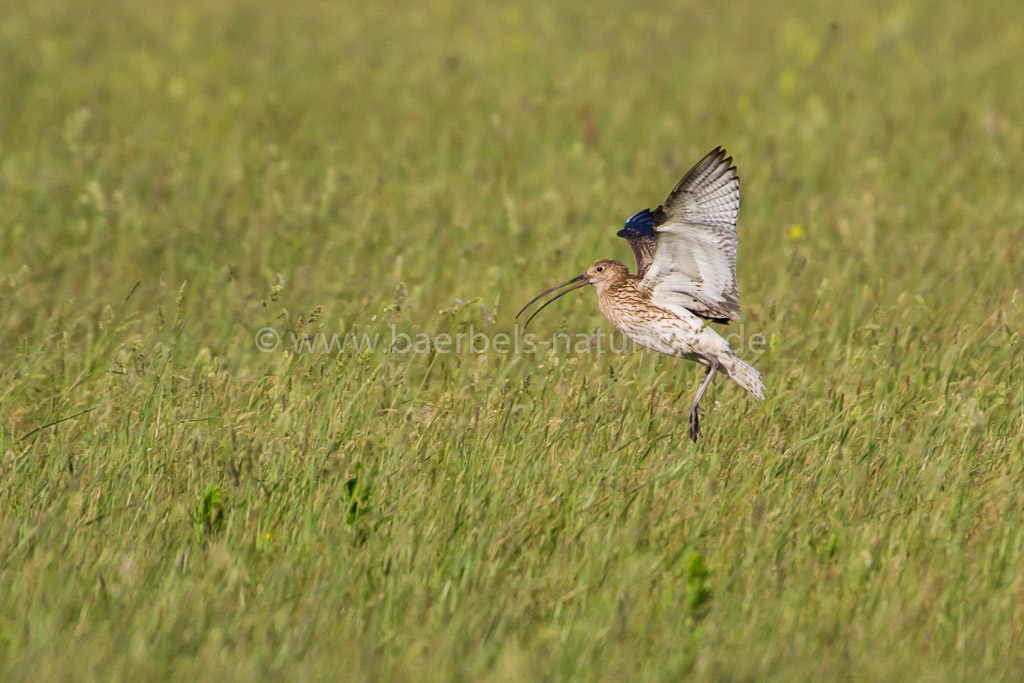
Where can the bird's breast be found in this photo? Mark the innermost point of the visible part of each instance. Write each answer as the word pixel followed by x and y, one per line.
pixel 631 311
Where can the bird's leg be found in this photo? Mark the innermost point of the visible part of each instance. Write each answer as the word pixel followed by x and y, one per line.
pixel 695 406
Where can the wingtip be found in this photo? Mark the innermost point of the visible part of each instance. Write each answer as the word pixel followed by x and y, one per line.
pixel 722 156
pixel 723 160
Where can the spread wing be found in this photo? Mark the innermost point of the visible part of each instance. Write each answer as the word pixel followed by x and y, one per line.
pixel 694 264
pixel 639 232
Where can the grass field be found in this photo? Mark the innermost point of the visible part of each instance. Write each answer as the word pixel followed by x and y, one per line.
pixel 176 503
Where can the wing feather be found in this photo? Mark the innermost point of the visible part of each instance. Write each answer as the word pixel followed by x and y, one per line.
pixel 694 264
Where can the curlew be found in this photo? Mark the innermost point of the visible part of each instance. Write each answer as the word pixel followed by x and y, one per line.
pixel 686 277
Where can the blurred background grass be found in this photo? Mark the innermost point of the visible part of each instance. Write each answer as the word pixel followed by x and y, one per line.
pixel 224 513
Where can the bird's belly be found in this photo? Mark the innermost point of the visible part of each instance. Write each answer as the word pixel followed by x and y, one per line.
pixel 671 339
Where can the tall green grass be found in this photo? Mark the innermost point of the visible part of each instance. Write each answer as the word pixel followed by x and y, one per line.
pixel 176 503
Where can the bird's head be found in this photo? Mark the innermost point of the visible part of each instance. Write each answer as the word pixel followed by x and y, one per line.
pixel 601 274
pixel 605 272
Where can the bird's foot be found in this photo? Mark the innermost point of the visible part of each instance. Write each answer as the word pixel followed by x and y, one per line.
pixel 694 424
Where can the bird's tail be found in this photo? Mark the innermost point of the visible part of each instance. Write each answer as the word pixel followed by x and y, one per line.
pixel 744 374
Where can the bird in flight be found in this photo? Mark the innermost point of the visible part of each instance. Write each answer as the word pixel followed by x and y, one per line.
pixel 686 276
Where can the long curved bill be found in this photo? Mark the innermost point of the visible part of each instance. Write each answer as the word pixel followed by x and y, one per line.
pixel 577 282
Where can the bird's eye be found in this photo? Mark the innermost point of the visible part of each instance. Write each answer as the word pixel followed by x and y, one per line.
pixel 599 268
